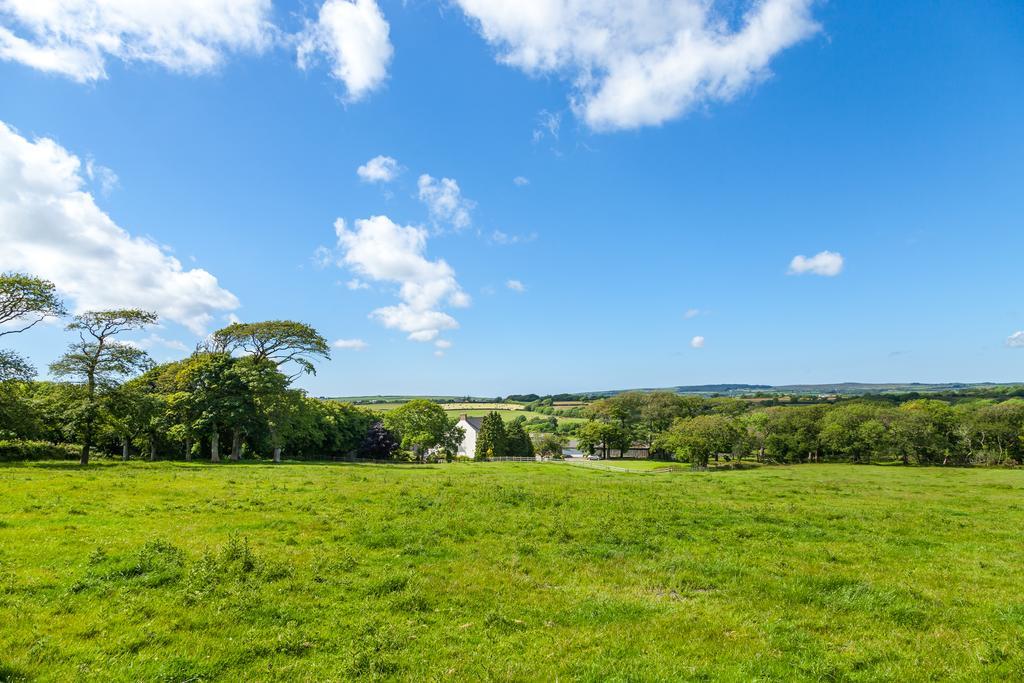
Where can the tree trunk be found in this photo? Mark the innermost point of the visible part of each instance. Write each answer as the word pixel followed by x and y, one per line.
pixel 152 448
pixel 124 448
pixel 215 446
pixel 84 460
pixel 277 454
pixel 236 445
pixel 188 450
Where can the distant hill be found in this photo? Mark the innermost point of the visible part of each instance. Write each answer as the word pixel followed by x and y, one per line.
pixel 839 389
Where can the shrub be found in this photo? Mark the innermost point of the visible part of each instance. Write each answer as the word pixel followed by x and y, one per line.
pixel 14 450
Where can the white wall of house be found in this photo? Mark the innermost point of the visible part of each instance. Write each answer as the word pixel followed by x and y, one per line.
pixel 468 446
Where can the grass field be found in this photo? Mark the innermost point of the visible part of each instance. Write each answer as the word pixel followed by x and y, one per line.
pixel 509 571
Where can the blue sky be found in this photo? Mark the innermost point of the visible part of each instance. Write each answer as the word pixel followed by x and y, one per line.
pixel 654 211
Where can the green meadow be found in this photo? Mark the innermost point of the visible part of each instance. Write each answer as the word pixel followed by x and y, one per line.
pixel 509 571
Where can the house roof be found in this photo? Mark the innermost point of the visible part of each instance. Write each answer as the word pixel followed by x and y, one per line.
pixel 474 422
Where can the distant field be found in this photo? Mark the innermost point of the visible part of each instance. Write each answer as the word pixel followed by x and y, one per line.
pixel 508 571
pixel 509 415
pixel 482 406
pixel 508 411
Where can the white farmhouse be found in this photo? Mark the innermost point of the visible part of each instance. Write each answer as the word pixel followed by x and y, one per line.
pixel 471 425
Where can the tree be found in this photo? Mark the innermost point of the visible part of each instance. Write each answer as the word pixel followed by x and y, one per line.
pixel 607 436
pixel 212 396
pixel 99 361
pixel 379 443
pixel 271 398
pixel 491 441
pixel 517 441
pixel 277 341
pixel 550 446
pixel 25 301
pixel 422 426
pixel 134 412
pixel 696 439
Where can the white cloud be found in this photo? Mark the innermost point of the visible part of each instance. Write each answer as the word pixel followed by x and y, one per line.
pixel 691 313
pixel 155 340
pixel 74 38
pixel 548 123
pixel 381 250
pixel 503 238
pixel 445 202
pixel 52 228
pixel 353 36
pixel 827 263
pixel 646 62
pixel 107 179
pixel 356 284
pixel 521 181
pixel 380 169
pixel 697 342
pixel 516 286
pixel 350 344
pixel 443 344
pixel 1016 340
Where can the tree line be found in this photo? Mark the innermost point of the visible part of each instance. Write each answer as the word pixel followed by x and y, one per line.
pixel 231 398
pixel 969 430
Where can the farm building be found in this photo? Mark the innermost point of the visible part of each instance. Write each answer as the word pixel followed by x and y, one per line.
pixel 471 425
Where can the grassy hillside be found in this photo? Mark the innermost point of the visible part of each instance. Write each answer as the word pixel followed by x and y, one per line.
pixel 509 571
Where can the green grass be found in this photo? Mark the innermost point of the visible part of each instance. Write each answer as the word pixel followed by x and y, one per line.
pixel 509 571
pixel 633 465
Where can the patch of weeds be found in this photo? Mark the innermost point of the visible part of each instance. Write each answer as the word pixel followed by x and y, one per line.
pixel 374 652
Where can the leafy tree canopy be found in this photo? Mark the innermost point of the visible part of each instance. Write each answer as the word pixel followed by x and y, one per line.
pixel 278 341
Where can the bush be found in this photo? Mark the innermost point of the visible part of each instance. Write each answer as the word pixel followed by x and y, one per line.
pixel 14 450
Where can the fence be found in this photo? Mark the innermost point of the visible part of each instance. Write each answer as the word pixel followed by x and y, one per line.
pixel 513 459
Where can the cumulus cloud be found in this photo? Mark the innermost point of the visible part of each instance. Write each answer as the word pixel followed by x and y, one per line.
pixel 1016 340
pixel 51 227
pixel 74 38
pixel 521 181
pixel 443 344
pixel 380 169
pixel 516 286
pixel 350 344
pixel 642 63
pixel 697 342
pixel 353 36
pixel 826 263
pixel 381 250
pixel 445 202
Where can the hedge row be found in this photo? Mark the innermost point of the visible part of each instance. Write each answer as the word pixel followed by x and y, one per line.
pixel 11 451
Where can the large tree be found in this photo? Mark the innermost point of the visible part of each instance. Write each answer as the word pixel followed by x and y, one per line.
pixel 100 362
pixel 422 426
pixel 606 436
pixel 212 396
pixel 25 301
pixel 278 341
pixel 697 439
pixel 491 441
pixel 517 441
